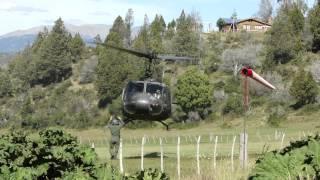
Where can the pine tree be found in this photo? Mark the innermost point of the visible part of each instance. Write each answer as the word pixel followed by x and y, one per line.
pixel 77 47
pixel 156 31
pixel 142 41
pixel 54 62
pixel 39 40
pixel 186 39
pixel 314 20
pixel 282 42
pixel 129 19
pixel 304 88
pixel 171 30
pixel 115 68
pixel 97 39
pixel 6 88
pixel 265 10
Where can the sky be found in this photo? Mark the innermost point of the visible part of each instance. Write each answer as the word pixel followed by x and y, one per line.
pixel 24 14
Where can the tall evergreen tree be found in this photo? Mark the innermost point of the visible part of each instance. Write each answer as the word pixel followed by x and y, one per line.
pixel 129 20
pixel 314 20
pixel 54 62
pixel 39 40
pixel 171 30
pixel 156 31
pixel 142 42
pixel 283 42
pixel 186 39
pixel 77 47
pixel 265 10
pixel 115 68
pixel 97 39
pixel 6 88
pixel 304 88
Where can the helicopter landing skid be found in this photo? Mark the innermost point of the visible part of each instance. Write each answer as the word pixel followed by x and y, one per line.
pixel 132 121
pixel 166 125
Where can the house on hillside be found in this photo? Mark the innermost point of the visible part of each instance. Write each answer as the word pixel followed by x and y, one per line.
pixel 249 25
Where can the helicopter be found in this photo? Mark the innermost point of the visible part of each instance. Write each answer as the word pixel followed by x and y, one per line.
pixel 147 99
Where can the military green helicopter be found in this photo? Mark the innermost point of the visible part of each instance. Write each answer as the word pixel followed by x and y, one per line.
pixel 147 99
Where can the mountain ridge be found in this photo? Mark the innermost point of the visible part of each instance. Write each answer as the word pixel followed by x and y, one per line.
pixel 16 41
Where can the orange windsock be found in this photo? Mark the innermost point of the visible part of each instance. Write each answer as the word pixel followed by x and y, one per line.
pixel 250 73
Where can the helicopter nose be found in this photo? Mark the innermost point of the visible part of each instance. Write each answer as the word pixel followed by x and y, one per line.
pixel 142 105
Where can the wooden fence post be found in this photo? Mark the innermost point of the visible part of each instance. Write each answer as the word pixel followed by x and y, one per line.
pixel 232 152
pixel 243 150
pixel 161 155
pixel 120 157
pixel 283 135
pixel 178 157
pixel 142 153
pixel 198 155
pixel 215 153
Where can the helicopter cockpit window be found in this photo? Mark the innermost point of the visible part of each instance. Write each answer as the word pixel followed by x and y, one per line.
pixel 154 89
pixel 135 88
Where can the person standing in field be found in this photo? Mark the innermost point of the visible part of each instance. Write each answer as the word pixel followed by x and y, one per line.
pixel 115 124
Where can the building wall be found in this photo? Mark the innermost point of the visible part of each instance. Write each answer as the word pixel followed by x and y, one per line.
pixel 249 26
pixel 253 26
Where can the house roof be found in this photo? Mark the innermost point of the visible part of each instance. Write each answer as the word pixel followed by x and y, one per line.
pixel 229 21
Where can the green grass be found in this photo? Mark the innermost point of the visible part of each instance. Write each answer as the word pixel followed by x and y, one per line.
pixel 261 138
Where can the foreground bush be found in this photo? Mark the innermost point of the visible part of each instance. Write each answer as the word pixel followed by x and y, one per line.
pixel 299 160
pixel 54 155
pixel 148 174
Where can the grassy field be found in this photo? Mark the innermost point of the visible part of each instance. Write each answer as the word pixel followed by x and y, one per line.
pixel 261 138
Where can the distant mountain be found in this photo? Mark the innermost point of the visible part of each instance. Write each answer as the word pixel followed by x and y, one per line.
pixel 18 40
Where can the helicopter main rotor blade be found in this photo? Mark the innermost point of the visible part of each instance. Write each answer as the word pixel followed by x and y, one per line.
pixel 175 58
pixel 131 51
pixel 150 56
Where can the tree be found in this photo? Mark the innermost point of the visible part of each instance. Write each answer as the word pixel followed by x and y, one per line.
pixel 129 20
pixel 234 59
pixel 265 10
pixel 39 40
pixel 156 32
pixel 97 39
pixel 115 68
pixel 213 49
pixel 142 41
pixel 314 20
pixel 6 88
pixel 282 42
pixel 296 18
pixel 304 88
pixel 193 91
pixel 171 30
pixel 77 47
pixel 54 63
pixel 220 23
pixel 187 37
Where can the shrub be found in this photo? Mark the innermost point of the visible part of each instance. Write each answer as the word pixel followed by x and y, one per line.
pixel 233 105
pixel 304 88
pixel 299 160
pixel 148 174
pixel 55 154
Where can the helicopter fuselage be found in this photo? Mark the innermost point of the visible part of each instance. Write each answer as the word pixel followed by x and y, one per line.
pixel 146 100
